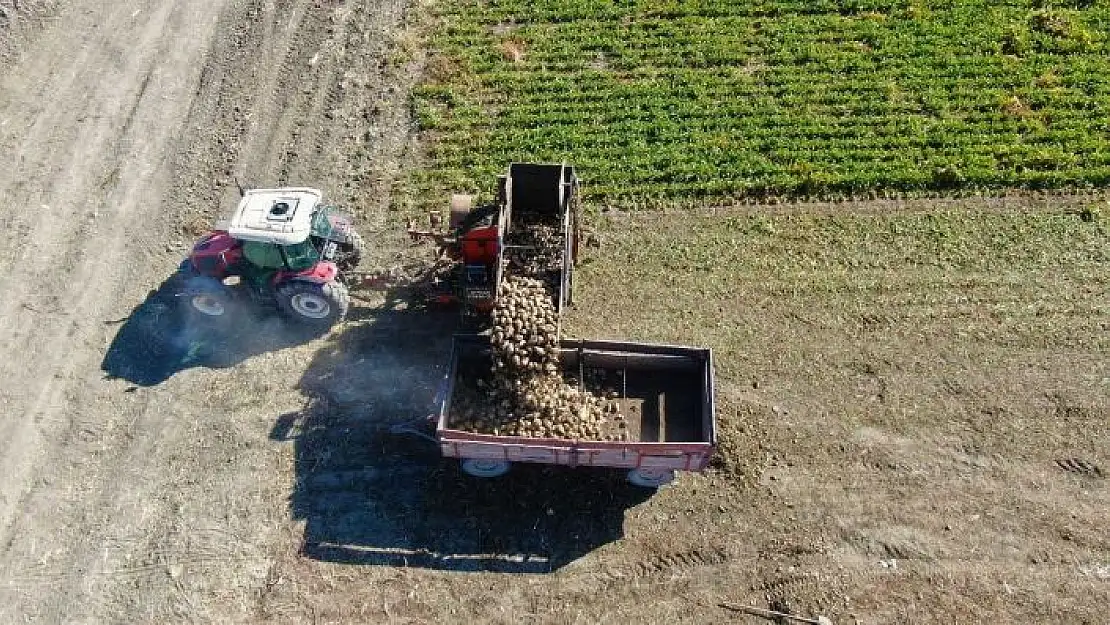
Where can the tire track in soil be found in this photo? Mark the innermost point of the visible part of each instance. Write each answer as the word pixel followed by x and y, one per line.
pixel 74 227
pixel 131 476
pixel 341 83
pixel 218 120
pixel 660 563
pixel 122 127
pixel 300 101
pixel 120 556
pixel 1080 467
pixel 85 444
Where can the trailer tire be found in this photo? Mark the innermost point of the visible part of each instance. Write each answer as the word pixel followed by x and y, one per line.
pixel 651 478
pixel 480 467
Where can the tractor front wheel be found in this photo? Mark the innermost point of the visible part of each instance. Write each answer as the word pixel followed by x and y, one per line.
pixel 317 305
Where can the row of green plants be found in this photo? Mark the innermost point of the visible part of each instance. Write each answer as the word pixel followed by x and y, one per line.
pixel 664 101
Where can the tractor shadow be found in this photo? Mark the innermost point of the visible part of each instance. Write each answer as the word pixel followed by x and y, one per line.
pixel 372 497
pixel 160 338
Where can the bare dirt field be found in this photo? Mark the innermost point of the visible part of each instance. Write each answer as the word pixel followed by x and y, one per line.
pixel 913 396
pixel 138 486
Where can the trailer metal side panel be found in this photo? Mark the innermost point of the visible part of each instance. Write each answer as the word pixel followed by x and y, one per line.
pixel 688 457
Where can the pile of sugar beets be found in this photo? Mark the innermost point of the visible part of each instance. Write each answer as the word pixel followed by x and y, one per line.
pixel 525 394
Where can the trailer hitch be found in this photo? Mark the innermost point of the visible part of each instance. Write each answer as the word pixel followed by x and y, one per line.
pixel 412 428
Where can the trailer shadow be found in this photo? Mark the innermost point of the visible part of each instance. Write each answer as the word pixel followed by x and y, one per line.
pixel 371 496
pixel 159 338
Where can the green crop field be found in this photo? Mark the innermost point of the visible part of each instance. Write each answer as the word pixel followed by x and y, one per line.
pixel 691 101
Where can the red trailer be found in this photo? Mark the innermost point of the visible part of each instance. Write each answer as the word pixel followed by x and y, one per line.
pixel 665 393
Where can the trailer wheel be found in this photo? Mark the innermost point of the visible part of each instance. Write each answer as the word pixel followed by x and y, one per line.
pixel 650 478
pixel 479 467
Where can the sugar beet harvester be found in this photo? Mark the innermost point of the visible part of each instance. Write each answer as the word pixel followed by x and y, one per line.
pixel 530 230
pixel 665 393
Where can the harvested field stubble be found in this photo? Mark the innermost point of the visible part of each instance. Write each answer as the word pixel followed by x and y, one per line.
pixel 911 404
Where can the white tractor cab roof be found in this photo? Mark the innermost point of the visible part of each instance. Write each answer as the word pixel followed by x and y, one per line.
pixel 281 216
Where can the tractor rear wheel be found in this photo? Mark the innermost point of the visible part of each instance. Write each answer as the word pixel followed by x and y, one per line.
pixel 317 305
pixel 208 297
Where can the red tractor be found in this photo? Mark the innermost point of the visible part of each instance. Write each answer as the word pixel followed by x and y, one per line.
pixel 531 230
pixel 280 247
